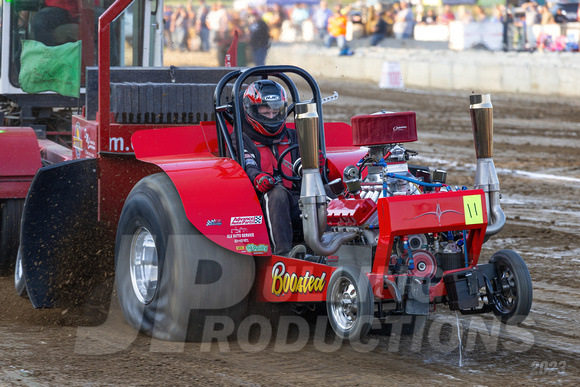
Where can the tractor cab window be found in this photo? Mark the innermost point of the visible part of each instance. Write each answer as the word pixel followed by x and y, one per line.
pixel 56 22
pixel 140 34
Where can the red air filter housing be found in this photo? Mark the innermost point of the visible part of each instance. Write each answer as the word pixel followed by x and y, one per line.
pixel 388 128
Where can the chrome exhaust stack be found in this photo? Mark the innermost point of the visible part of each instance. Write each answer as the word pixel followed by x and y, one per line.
pixel 312 193
pixel 481 111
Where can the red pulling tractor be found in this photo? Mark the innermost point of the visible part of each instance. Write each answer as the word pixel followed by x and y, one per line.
pixel 190 241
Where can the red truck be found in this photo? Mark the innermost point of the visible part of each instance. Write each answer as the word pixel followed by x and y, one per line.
pixel 36 127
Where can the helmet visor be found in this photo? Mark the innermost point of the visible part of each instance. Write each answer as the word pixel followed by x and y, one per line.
pixel 271 113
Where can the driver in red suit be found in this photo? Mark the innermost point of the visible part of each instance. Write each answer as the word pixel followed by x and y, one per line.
pixel 265 137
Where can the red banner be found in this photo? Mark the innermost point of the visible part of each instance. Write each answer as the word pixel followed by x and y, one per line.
pixel 232 54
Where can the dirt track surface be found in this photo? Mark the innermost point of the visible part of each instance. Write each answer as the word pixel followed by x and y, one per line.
pixel 537 142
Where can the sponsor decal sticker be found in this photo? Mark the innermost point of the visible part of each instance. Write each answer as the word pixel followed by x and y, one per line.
pixel 473 209
pixel 283 282
pixel 77 139
pixel 117 144
pixel 214 222
pixel 253 248
pixel 240 237
pixel 245 220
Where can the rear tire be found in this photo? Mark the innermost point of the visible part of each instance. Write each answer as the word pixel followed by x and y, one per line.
pixel 514 300
pixel 350 303
pixel 169 277
pixel 10 214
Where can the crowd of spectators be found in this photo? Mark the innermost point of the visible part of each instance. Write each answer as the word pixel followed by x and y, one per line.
pixel 201 26
pixel 526 37
pixel 205 27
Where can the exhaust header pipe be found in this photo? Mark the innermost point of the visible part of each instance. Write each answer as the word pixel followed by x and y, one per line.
pixel 481 111
pixel 312 193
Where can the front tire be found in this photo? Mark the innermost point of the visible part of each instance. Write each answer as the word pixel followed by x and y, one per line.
pixel 514 299
pixel 169 276
pixel 350 303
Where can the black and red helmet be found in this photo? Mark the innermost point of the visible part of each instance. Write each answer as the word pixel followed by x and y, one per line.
pixel 266 104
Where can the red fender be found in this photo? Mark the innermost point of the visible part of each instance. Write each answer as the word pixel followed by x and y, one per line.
pixel 339 159
pixel 339 149
pixel 217 195
pixel 19 161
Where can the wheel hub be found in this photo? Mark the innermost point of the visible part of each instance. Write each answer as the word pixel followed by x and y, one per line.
pixel 144 265
pixel 508 289
pixel 344 303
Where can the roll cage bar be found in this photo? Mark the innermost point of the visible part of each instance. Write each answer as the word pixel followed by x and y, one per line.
pixel 231 110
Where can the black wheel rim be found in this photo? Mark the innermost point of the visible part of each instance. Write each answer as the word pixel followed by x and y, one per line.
pixel 508 295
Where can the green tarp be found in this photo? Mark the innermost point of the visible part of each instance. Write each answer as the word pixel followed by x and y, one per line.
pixel 44 68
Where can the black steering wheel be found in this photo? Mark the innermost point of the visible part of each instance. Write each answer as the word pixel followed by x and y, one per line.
pixel 295 166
